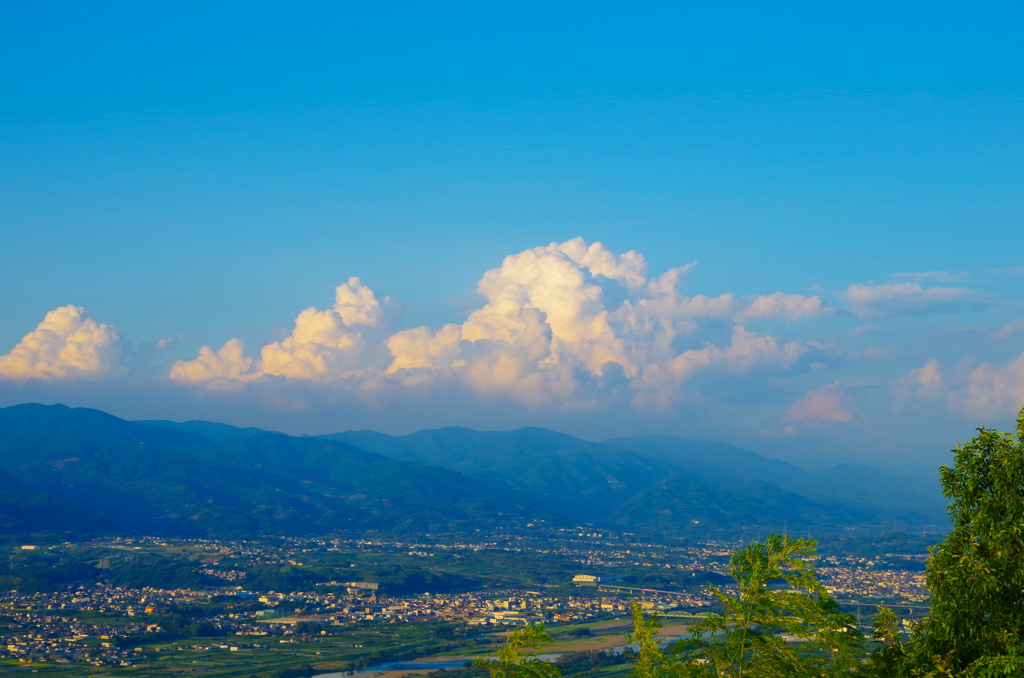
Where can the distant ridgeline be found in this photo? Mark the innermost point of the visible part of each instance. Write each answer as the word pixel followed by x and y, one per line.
pixel 84 472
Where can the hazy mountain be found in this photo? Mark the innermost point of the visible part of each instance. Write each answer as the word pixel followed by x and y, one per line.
pixel 894 497
pixel 395 495
pixel 868 492
pixel 709 457
pixel 686 505
pixel 213 431
pixel 87 423
pixel 630 482
pixel 85 470
pixel 32 511
pixel 582 480
pixel 121 475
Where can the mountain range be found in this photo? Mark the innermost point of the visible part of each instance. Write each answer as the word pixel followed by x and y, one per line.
pixel 81 471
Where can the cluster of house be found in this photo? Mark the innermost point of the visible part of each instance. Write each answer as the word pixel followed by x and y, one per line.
pixel 871 583
pixel 51 627
pixel 709 557
pixel 513 607
pixel 78 625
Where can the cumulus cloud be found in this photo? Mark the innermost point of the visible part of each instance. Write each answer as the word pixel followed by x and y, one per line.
pixel 984 392
pixel 224 369
pixel 995 390
pixel 908 298
pixel 779 305
pixel 819 407
pixel 566 327
pixel 924 383
pixel 558 322
pixel 326 345
pixel 668 303
pixel 420 348
pixel 746 350
pixel 323 346
pixel 67 344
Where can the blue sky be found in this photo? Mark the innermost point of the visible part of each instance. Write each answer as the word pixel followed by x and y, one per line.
pixel 198 174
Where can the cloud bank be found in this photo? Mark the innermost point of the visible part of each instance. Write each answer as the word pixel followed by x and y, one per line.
pixel 560 323
pixel 566 327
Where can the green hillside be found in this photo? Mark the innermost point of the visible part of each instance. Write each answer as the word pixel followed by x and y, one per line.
pixel 81 471
pixel 117 475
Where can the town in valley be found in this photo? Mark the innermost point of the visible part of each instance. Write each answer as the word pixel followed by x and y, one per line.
pixel 267 605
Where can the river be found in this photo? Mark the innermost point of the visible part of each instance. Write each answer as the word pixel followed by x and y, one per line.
pixel 404 665
pixel 454 663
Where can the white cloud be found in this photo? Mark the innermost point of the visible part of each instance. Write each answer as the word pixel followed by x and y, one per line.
pixel 565 327
pixel 546 316
pixel 224 369
pixel 670 304
pixel 566 293
pixel 819 407
pixel 747 350
pixel 779 305
pixel 995 391
pixel 321 347
pixel 924 383
pixel 356 304
pixel 1007 331
pixel 984 392
pixel 558 322
pixel 67 344
pixel 908 298
pixel 420 348
pixel 324 346
pixel 630 268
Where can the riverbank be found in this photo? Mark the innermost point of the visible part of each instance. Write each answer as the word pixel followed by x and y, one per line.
pixel 609 641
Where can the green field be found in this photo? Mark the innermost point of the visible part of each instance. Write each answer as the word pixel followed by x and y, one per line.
pixel 340 649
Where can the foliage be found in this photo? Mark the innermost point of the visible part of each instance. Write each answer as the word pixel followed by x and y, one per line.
pixel 443 632
pixel 467 671
pixel 419 581
pixel 975 574
pixel 872 546
pixel 176 574
pixel 299 671
pixel 47 571
pixel 781 623
pixel 574 663
pixel 180 624
pixel 889 658
pixel 518 658
pixel 650 658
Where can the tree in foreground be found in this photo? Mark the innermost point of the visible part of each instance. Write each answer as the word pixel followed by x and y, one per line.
pixel 976 575
pixel 518 657
pixel 650 659
pixel 889 660
pixel 780 623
